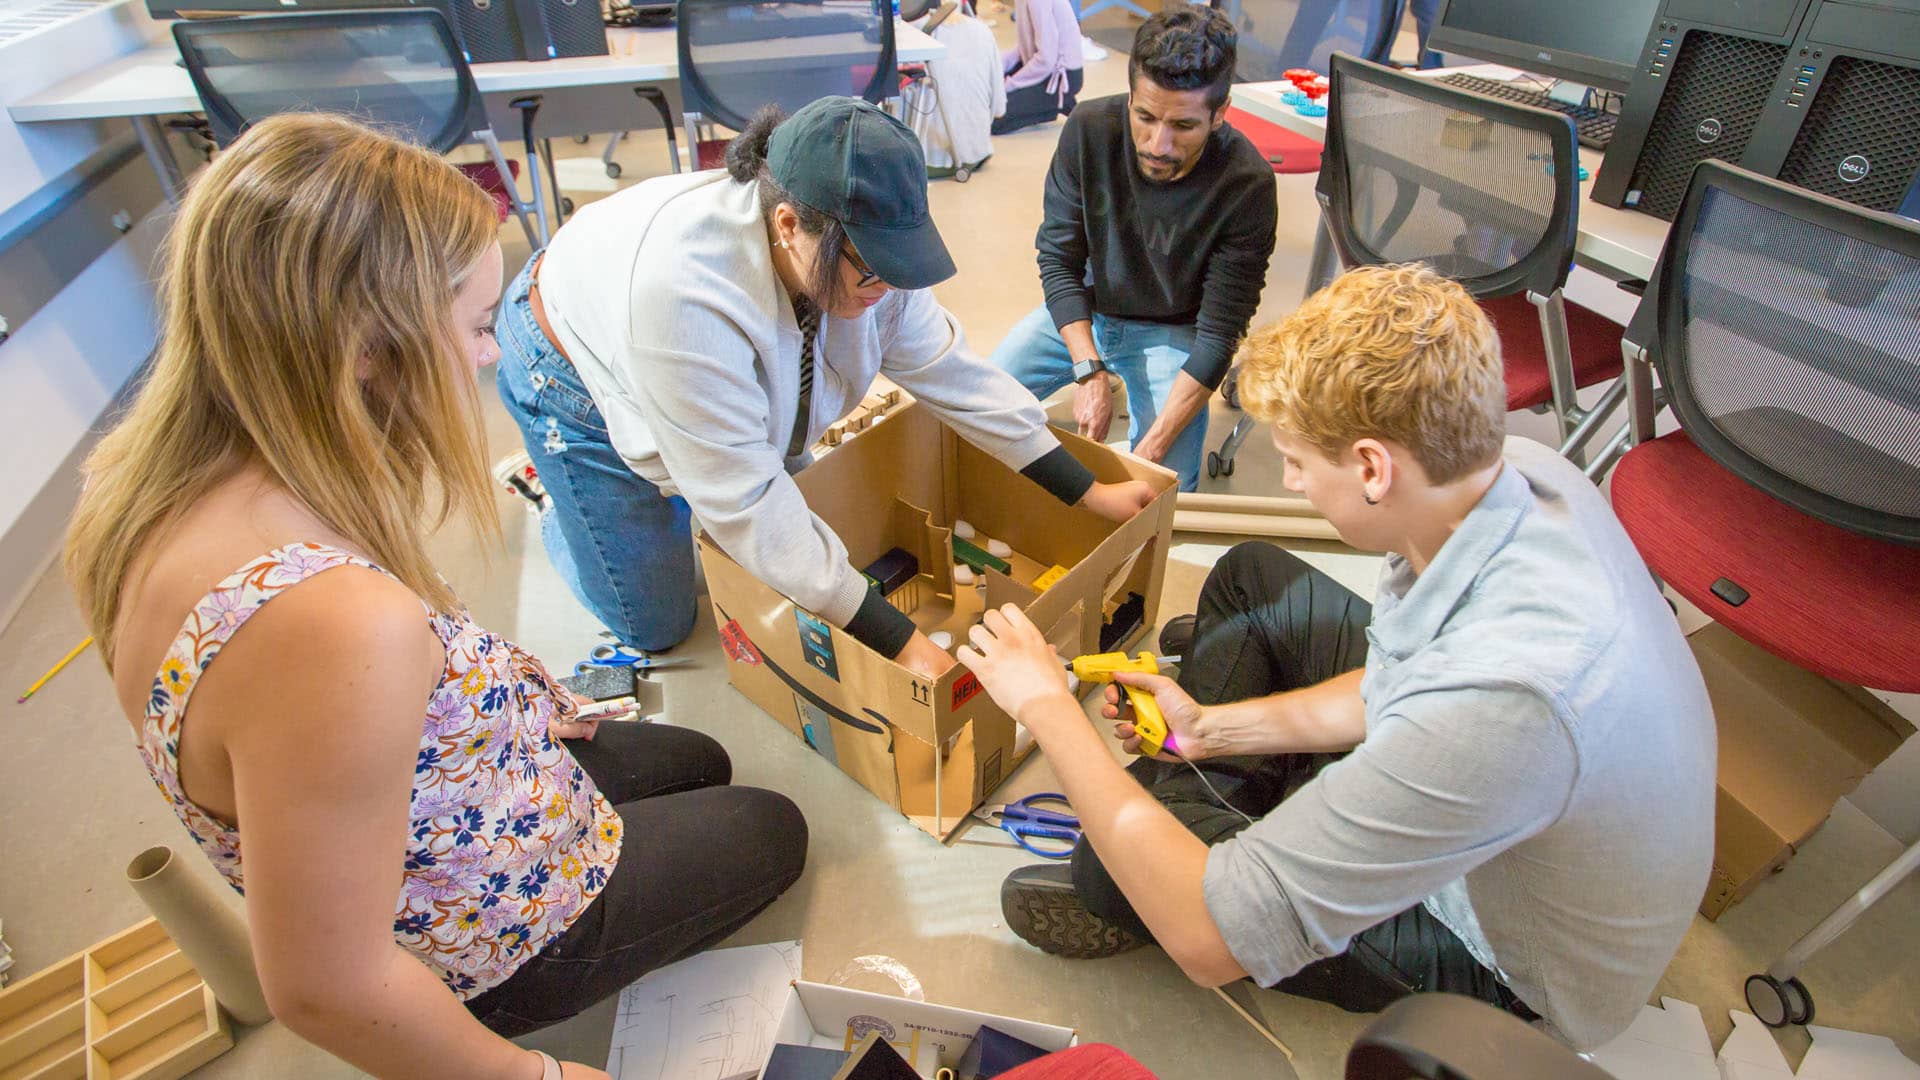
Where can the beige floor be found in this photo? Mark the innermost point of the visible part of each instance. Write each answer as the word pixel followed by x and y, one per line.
pixel 76 806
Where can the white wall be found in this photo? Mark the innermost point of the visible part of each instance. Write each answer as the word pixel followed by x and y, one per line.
pixel 64 364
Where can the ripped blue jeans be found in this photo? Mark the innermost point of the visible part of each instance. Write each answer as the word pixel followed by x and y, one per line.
pixel 624 549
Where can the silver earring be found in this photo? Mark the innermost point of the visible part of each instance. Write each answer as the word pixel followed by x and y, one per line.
pixel 783 244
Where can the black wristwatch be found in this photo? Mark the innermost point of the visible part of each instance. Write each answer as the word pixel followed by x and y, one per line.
pixel 1087 369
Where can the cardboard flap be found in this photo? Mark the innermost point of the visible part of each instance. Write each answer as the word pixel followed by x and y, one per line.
pixel 1791 743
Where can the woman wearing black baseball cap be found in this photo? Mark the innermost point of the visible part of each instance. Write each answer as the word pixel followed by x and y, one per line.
pixel 681 344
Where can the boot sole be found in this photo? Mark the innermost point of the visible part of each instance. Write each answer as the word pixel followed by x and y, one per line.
pixel 1053 921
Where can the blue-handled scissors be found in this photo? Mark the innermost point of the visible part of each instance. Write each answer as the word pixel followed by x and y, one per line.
pixel 617 655
pixel 1057 830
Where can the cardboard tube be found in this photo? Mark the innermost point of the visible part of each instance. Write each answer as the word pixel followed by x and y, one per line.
pixel 1244 504
pixel 207 929
pixel 1205 521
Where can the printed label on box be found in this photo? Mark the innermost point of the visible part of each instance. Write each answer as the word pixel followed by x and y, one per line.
pixel 817 728
pixel 965 688
pixel 738 646
pixel 816 642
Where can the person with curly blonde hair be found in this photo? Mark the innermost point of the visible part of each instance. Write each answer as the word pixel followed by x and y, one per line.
pixel 1496 780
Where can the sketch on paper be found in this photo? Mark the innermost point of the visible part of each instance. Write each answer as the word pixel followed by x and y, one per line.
pixel 708 1017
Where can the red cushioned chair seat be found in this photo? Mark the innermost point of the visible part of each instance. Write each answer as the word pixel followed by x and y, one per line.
pixel 1836 603
pixel 487 175
pixel 1094 1061
pixel 712 153
pixel 1595 340
pixel 1296 152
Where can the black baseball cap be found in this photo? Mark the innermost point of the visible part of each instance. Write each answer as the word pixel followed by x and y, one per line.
pixel 848 159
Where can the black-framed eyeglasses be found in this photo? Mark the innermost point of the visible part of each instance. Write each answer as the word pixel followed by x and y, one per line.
pixel 867 276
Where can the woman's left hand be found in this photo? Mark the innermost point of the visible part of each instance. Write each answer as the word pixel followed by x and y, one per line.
pixel 1118 502
pixel 1015 664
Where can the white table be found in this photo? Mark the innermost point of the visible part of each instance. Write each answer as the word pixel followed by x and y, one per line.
pixel 148 84
pixel 1620 244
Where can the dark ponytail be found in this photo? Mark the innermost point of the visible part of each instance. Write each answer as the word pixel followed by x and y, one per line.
pixel 747 164
pixel 747 153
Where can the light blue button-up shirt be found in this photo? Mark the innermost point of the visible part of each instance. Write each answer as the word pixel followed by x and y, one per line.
pixel 1538 768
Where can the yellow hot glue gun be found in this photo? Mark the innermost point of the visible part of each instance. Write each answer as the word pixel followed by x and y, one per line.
pixel 1147 721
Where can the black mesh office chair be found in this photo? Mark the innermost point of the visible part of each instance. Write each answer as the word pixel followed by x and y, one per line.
pixel 1787 506
pixel 739 55
pixel 400 69
pixel 1279 34
pixel 1451 1037
pixel 1486 192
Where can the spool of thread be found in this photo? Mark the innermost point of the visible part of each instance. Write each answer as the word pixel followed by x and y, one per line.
pixel 209 932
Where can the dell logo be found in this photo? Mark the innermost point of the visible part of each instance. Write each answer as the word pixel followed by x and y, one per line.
pixel 1708 131
pixel 1854 168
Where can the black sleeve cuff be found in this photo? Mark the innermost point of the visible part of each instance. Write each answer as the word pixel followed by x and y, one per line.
pixel 1070 307
pixel 1208 362
pixel 880 626
pixel 1061 474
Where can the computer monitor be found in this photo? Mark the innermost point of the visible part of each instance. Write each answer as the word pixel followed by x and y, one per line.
pixel 1596 42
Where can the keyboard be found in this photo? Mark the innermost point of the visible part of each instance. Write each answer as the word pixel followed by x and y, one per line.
pixel 1595 126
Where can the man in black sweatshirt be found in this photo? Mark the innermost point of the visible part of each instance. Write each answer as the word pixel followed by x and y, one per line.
pixel 1159 225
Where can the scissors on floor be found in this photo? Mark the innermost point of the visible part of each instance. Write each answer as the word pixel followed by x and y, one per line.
pixel 1049 832
pixel 617 655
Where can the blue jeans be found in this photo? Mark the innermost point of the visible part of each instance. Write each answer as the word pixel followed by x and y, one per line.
pixel 1146 355
pixel 624 549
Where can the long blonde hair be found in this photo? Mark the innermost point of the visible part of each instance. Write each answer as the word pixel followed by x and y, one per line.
pixel 314 250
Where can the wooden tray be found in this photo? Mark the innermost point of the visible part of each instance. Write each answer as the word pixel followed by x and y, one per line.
pixel 129 1007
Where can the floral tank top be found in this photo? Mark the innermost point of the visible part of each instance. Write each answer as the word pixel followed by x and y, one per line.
pixel 509 840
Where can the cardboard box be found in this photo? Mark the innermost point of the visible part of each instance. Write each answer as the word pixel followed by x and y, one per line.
pixel 934 751
pixel 928 1036
pixel 1792 745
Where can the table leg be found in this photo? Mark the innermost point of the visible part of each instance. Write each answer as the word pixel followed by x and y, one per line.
pixel 153 139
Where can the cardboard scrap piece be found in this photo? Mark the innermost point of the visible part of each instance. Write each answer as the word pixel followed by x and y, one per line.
pixel 1852 1055
pixel 1751 1053
pixel 1667 1043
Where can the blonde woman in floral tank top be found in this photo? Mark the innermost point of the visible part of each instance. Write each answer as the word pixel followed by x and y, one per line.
pixel 436 853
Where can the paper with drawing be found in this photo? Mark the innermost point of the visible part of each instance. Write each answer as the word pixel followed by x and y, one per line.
pixel 708 1017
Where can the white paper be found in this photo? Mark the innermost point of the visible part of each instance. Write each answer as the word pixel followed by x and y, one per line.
pixel 708 1017
pixel 1751 1053
pixel 1852 1055
pixel 1668 1043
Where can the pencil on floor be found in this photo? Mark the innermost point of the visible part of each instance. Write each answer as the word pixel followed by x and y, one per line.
pixel 64 661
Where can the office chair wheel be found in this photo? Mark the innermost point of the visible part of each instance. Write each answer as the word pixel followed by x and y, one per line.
pixel 1217 465
pixel 613 170
pixel 581 140
pixel 1778 1004
pixel 566 206
pixel 962 174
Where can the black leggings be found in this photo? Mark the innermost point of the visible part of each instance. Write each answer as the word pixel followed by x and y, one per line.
pixel 1267 622
pixel 1035 104
pixel 698 860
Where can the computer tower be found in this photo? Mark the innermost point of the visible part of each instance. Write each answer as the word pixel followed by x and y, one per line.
pixel 1847 122
pixel 491 30
pixel 488 30
pixel 1706 76
pixel 555 28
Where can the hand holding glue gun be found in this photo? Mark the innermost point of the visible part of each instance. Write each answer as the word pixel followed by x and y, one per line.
pixel 1139 677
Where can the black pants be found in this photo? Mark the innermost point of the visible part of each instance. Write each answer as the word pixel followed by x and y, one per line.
pixel 1267 622
pixel 1032 105
pixel 698 860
